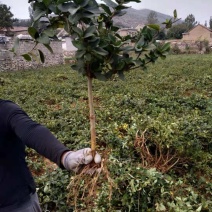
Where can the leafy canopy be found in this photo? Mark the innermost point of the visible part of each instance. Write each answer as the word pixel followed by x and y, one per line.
pixel 152 18
pixel 101 51
pixel 6 17
pixel 176 32
pixel 190 21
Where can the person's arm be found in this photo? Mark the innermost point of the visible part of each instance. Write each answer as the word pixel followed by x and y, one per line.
pixel 34 135
pixel 43 141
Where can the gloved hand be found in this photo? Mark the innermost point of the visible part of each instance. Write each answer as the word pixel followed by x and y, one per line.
pixel 74 160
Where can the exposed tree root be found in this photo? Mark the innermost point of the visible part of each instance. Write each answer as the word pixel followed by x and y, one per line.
pixel 161 158
pixel 84 187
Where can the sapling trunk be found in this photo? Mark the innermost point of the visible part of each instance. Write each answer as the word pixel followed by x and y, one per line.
pixel 92 116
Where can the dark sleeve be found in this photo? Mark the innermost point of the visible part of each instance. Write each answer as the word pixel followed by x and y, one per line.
pixel 34 135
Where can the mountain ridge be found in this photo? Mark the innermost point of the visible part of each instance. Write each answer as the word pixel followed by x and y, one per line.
pixel 134 17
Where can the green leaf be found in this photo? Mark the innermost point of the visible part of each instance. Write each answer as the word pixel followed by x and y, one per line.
pixel 53 8
pixel 84 3
pixel 80 53
pixel 65 7
pixel 154 26
pixel 38 13
pixel 141 41
pixel 89 31
pixel 78 44
pixel 88 57
pixel 106 9
pixel 127 48
pixel 112 37
pixel 117 43
pixel 166 47
pixel 77 30
pixel 110 3
pixel 94 42
pixel 120 65
pixel 138 49
pixel 73 10
pixel 168 24
pixel 160 207
pixel 26 57
pixel 94 10
pixel 100 51
pixel 175 14
pixel 132 185
pixel 42 57
pixel 120 13
pixel 199 208
pixel 150 47
pixel 58 24
pixel 75 18
pixel 47 2
pixel 50 31
pixel 100 76
pixel 121 7
pixel 49 48
pixel 15 45
pixel 44 39
pixel 33 32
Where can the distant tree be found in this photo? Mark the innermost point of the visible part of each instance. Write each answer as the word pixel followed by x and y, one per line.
pixel 206 24
pixel 22 22
pixel 190 21
pixel 152 18
pixel 6 17
pixel 176 31
pixel 210 22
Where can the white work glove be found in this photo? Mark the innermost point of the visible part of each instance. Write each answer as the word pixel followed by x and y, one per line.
pixel 74 160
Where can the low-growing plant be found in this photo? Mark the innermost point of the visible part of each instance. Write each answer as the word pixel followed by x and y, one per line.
pixel 173 104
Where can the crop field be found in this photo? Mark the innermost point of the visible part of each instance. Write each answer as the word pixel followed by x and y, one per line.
pixel 156 126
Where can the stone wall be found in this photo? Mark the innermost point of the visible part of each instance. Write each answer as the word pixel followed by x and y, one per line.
pixel 194 47
pixel 10 62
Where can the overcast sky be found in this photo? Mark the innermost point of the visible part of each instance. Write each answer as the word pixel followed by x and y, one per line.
pixel 201 9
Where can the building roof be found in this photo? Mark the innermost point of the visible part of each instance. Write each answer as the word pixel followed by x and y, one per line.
pixel 24 37
pixel 140 26
pixel 197 26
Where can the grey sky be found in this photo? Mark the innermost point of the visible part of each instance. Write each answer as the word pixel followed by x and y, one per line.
pixel 201 9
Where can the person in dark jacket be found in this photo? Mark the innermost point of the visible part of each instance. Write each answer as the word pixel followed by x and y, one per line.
pixel 18 130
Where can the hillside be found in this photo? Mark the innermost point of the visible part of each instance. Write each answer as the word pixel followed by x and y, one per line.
pixel 134 17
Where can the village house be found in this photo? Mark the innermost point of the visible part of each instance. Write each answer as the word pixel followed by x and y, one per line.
pixel 198 33
pixel 66 41
pixel 140 26
pixel 127 31
pixel 14 31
